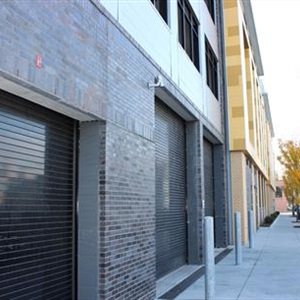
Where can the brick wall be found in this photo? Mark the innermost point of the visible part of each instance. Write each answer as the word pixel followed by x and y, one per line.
pixel 88 63
pixel 91 64
pixel 86 60
pixel 127 218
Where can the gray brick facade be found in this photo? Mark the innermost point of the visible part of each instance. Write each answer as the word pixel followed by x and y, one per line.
pixel 92 70
pixel 127 217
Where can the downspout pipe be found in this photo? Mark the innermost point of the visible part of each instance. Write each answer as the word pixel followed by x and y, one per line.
pixel 226 127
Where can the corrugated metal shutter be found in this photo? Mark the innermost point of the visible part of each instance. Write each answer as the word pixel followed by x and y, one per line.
pixel 208 178
pixel 170 190
pixel 36 201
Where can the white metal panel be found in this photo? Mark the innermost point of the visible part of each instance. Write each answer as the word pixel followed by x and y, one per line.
pixel 190 80
pixel 209 28
pixel 196 6
pixel 144 23
pixel 213 110
pixel 111 6
pixel 211 106
pixel 174 41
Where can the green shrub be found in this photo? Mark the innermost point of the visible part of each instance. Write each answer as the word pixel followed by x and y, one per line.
pixel 268 220
pixel 271 218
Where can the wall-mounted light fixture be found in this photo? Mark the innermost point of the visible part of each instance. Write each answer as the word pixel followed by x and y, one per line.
pixel 158 82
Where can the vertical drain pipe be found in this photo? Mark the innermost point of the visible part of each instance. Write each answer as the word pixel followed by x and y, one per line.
pixel 226 125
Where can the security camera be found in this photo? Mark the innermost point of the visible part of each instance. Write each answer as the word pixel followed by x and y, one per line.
pixel 158 82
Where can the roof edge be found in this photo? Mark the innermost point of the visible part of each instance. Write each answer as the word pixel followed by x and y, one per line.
pixel 268 113
pixel 249 19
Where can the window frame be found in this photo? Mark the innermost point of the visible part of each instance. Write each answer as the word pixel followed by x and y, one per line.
pixel 278 192
pixel 162 7
pixel 188 31
pixel 212 74
pixel 210 4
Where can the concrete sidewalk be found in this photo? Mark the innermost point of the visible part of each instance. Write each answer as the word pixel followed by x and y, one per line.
pixel 271 270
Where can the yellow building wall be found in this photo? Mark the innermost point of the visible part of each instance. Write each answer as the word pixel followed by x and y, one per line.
pixel 250 97
pixel 234 56
pixel 247 121
pixel 250 134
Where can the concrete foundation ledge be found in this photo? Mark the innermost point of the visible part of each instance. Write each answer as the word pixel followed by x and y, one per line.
pixel 170 286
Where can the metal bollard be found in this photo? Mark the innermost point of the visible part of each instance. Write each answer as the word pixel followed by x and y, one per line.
pixel 209 258
pixel 250 229
pixel 238 239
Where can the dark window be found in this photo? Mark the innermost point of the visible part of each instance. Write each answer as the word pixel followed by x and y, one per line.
pixel 211 69
pixel 162 7
pixel 211 8
pixel 278 192
pixel 188 31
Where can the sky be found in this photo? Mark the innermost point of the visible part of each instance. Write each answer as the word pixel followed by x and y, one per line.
pixel 278 30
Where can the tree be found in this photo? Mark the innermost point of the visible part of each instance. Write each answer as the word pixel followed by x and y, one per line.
pixel 290 160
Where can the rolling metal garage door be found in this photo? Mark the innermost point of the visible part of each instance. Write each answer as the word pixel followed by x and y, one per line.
pixel 208 178
pixel 170 190
pixel 36 201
